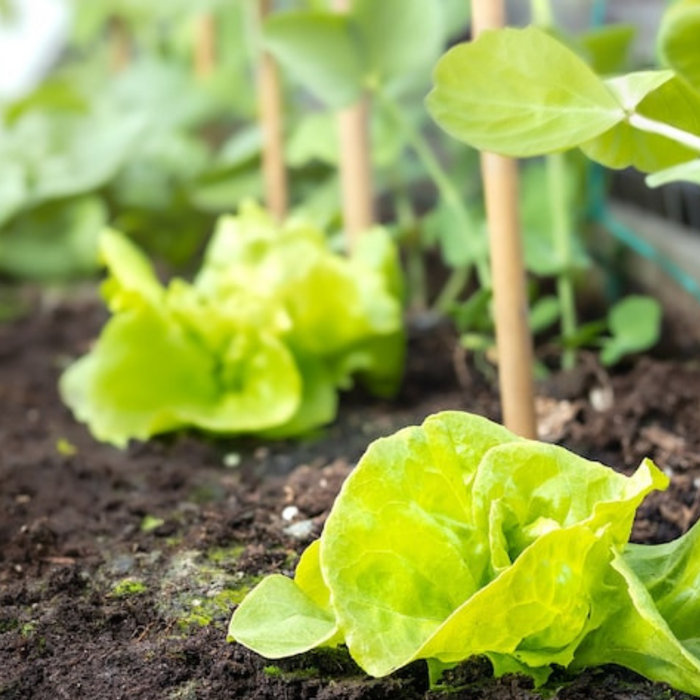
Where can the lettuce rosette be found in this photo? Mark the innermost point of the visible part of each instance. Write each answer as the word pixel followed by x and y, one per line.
pixel 260 342
pixel 457 538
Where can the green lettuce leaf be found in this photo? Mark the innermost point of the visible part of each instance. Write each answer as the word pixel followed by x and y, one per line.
pixel 655 614
pixel 457 538
pixel 272 326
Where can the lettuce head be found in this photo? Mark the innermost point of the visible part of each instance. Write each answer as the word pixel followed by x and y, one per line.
pixel 259 342
pixel 457 538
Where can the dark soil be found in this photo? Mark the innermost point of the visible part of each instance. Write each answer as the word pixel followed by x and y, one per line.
pixel 119 570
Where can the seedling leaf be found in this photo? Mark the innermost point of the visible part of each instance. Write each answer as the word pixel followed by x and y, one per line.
pixel 322 49
pixel 635 325
pixel 521 93
pixel 657 95
pixel 677 40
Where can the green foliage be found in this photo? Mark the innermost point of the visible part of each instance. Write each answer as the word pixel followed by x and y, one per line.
pixel 544 255
pixel 271 327
pixel 138 146
pixel 657 95
pixel 298 39
pixel 127 588
pixel 634 324
pixel 52 242
pixel 606 47
pixel 687 172
pixel 337 56
pixel 677 40
pixel 549 100
pixel 457 539
pixel 520 92
pixel 75 156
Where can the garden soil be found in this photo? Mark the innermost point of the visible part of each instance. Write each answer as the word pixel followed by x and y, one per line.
pixel 119 570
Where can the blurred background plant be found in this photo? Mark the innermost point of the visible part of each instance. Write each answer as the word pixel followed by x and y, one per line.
pixel 121 130
pixel 114 117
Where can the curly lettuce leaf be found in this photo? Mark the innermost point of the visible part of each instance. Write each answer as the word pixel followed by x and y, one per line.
pixel 654 627
pixel 457 538
pixel 131 276
pixel 272 326
pixel 345 311
pixel 172 381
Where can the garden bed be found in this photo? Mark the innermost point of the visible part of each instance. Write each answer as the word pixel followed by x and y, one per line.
pixel 119 569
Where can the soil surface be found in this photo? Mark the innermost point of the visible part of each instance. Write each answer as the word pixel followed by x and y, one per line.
pixel 119 570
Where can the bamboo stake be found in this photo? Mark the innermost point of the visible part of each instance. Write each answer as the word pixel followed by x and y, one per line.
pixel 355 164
pixel 270 107
pixel 205 45
pixel 119 44
pixel 513 338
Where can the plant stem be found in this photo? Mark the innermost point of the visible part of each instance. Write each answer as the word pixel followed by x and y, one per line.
pixel 408 224
pixel 670 132
pixel 562 235
pixel 448 193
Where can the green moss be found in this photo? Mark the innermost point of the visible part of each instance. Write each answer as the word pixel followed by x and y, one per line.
pixel 207 493
pixel 150 523
pixel 128 587
pixel 8 625
pixel 216 608
pixel 273 671
pixel 188 691
pixel 224 555
pixel 202 588
pixel 27 629
pixel 66 448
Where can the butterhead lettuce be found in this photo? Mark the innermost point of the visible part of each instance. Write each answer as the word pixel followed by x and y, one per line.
pixel 457 538
pixel 258 343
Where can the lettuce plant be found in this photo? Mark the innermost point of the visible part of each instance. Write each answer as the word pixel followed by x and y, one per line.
pixel 457 538
pixel 271 327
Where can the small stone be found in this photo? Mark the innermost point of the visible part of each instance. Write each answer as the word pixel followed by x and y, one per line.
pixel 289 513
pixel 301 530
pixel 232 460
pixel 602 398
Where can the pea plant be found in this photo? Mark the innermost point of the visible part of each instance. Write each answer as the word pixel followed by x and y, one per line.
pixel 552 213
pixel 272 326
pixel 457 538
pixel 363 61
pixel 550 100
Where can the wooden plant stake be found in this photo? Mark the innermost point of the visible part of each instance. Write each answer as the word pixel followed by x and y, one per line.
pixel 119 44
pixel 513 337
pixel 355 164
pixel 270 107
pixel 205 45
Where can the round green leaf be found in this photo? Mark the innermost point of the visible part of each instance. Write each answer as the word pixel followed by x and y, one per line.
pixel 652 94
pixel 521 93
pixel 677 40
pixel 321 51
pixel 635 325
